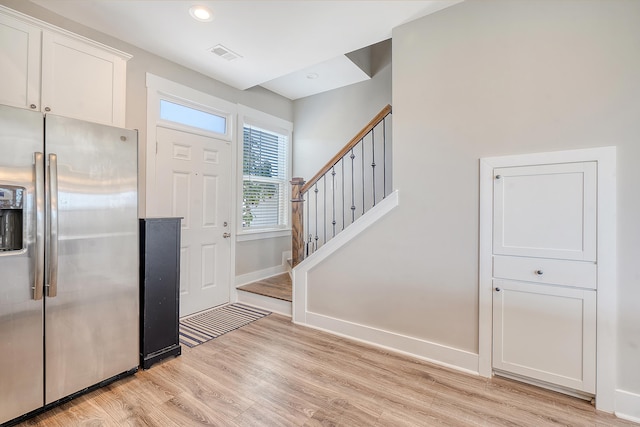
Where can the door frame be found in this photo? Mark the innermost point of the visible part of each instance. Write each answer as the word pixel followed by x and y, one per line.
pixel 606 321
pixel 159 88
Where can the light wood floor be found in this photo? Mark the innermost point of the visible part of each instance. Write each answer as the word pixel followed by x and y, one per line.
pixel 274 373
pixel 275 287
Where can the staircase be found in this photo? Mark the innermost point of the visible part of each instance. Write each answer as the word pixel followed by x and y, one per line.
pixel 354 181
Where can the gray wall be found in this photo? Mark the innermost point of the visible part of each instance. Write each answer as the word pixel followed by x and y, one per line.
pixel 136 117
pixel 324 123
pixel 487 79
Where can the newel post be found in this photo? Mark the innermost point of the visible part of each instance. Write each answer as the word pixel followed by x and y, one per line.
pixel 297 232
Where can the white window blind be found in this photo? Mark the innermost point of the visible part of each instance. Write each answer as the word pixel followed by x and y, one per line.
pixel 265 178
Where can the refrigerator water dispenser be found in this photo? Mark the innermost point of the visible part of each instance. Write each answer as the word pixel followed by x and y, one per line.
pixel 11 202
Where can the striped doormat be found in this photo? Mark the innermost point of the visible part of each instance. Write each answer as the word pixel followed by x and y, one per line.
pixel 210 324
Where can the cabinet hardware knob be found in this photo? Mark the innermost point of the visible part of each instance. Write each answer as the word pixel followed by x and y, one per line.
pixel 498 289
pixel 32 106
pixel 539 272
pixel 498 176
pixel 226 235
pixel 47 109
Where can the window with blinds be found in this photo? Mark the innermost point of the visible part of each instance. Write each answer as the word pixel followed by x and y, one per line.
pixel 264 179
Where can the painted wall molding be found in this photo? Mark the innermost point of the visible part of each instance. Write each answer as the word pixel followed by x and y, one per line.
pixel 421 349
pixel 628 406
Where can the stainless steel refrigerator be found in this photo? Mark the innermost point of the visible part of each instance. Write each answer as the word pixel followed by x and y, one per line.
pixel 68 258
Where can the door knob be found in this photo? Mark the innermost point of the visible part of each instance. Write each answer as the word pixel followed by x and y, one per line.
pixel 226 235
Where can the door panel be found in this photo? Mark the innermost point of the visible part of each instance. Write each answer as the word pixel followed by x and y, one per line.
pixel 21 329
pixel 546 211
pixel 545 332
pixel 92 321
pixel 195 170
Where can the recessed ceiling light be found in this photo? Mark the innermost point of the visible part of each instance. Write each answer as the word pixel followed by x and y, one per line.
pixel 201 13
pixel 312 76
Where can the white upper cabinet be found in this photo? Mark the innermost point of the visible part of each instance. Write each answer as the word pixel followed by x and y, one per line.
pixel 83 81
pixel 52 70
pixel 20 63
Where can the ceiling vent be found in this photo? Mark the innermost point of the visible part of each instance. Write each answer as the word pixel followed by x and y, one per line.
pixel 224 53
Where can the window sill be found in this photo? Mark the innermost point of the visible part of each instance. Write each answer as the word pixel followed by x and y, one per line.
pixel 262 234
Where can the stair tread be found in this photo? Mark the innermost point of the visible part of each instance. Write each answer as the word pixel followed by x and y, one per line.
pixel 278 287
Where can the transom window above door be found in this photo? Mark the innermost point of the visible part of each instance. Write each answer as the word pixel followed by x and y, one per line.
pixel 193 117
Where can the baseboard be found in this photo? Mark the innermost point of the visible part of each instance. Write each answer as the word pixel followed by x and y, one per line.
pixel 425 350
pixel 628 406
pixel 254 276
pixel 266 303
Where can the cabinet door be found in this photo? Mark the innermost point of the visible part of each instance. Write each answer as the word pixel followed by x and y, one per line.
pixel 20 63
pixel 546 211
pixel 81 80
pixel 545 332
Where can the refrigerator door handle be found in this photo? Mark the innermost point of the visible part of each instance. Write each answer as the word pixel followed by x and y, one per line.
pixel 40 220
pixel 52 289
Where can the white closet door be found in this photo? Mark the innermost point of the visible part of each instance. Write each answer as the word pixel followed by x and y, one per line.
pixel 546 211
pixel 545 275
pixel 545 332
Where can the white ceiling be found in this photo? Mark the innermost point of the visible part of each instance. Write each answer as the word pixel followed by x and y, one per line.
pixel 279 42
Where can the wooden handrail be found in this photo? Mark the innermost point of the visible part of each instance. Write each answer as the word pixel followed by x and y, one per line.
pixel 377 119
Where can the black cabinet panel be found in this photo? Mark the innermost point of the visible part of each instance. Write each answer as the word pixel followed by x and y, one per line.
pixel 159 289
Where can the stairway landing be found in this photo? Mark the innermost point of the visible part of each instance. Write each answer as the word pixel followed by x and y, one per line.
pixel 273 293
pixel 275 287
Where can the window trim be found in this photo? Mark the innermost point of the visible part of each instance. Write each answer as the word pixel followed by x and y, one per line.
pixel 252 117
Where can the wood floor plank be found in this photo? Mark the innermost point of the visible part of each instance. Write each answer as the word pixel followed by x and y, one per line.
pixel 275 373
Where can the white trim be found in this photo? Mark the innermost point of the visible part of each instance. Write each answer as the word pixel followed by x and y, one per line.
pixel 299 273
pixel 266 273
pixel 606 259
pixel 266 303
pixel 274 124
pixel 628 406
pixel 361 224
pixel 262 234
pixel 425 350
pixel 52 28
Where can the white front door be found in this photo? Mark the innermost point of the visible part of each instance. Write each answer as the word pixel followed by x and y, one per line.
pixel 545 273
pixel 193 177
